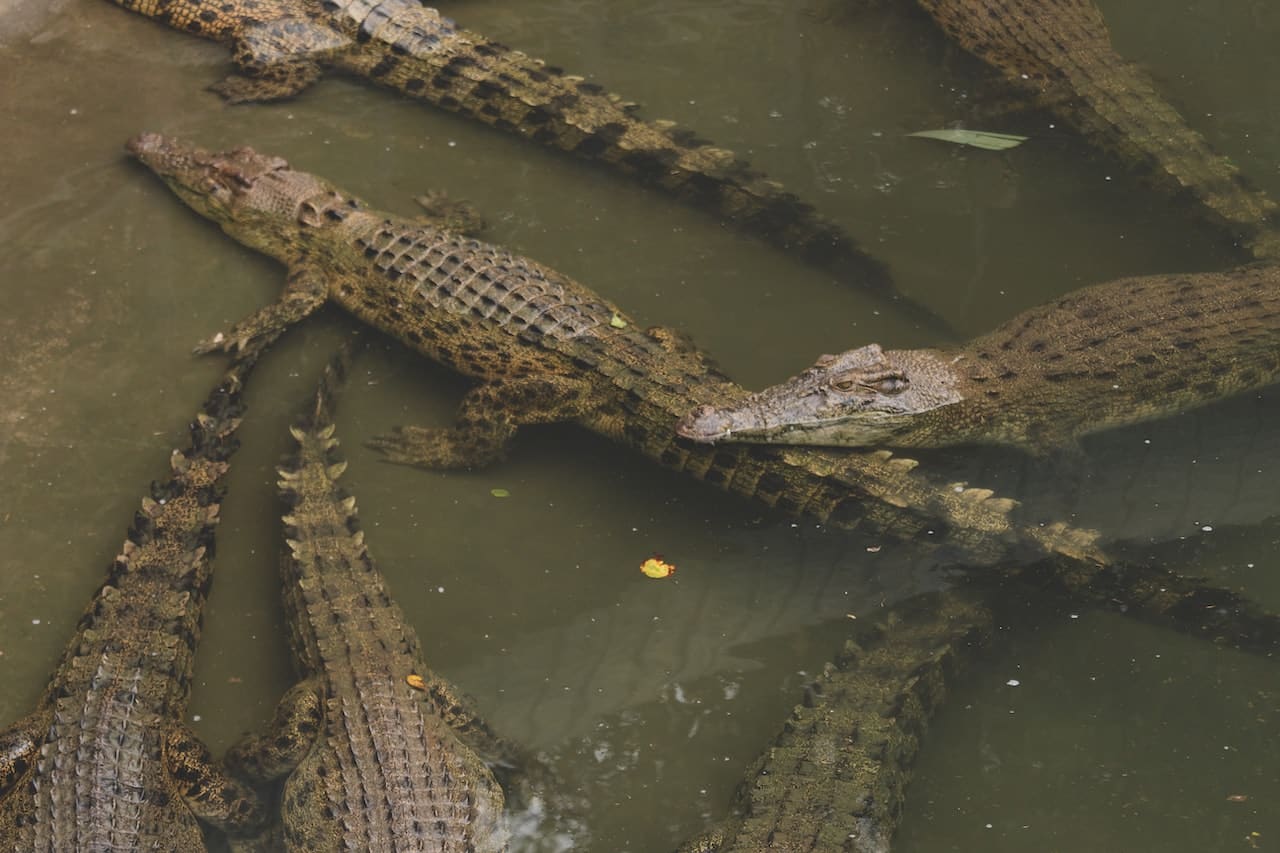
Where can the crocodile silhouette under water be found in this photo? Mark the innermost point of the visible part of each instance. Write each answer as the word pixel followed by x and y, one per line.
pixel 105 762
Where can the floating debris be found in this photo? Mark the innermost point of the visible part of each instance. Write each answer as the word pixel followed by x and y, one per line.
pixel 500 493
pixel 656 567
pixel 986 140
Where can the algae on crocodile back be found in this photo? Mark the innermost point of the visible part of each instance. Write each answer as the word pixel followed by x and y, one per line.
pixel 1101 357
pixel 283 46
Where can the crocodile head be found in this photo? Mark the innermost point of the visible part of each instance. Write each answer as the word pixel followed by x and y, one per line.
pixel 859 397
pixel 257 199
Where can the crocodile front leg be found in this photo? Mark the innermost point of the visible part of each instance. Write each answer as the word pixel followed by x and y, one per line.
pixel 488 419
pixel 306 289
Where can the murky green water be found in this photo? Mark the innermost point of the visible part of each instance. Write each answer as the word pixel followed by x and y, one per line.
pixel 651 697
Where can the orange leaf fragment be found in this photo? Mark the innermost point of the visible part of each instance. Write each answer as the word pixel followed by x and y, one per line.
pixel 415 681
pixel 656 567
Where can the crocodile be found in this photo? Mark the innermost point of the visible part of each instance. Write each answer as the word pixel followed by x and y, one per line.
pixel 835 776
pixel 283 46
pixel 368 715
pixel 1059 53
pixel 547 349
pixel 1100 357
pixel 105 762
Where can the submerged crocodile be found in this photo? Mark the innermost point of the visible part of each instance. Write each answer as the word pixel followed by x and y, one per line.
pixel 283 46
pixel 105 761
pixel 366 740
pixel 835 777
pixel 1100 357
pixel 1059 52
pixel 547 349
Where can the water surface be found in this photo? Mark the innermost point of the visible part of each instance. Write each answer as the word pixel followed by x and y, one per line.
pixel 653 697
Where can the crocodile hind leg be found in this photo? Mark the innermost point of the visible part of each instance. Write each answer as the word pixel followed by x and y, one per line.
pixel 289 737
pixel 487 420
pixel 19 746
pixel 447 214
pixel 304 292
pixel 211 794
pixel 278 59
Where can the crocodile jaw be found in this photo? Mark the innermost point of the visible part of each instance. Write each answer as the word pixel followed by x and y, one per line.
pixel 708 425
pixel 860 397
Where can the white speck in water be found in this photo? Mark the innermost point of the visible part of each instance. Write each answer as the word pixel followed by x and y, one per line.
pixel 1013 682
pixel 195 718
pixel 1207 528
pixel 1075 615
pixel 1106 178
pixel 439 589
pixel 453 144
pixel 73 111
pixel 989 825
pixel 35 621
pixel 1248 565
pixel 1146 441
pixel 775 114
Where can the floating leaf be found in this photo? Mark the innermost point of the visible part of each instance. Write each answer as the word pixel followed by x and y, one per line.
pixel 617 322
pixel 974 138
pixel 415 681
pixel 500 493
pixel 656 567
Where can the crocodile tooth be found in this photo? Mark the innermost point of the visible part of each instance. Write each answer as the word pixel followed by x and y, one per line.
pixel 298 433
pixel 335 470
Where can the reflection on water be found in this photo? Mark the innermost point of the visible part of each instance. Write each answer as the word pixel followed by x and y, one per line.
pixel 650 696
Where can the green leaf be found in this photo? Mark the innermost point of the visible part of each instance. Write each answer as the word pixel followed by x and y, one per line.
pixel 500 493
pixel 974 138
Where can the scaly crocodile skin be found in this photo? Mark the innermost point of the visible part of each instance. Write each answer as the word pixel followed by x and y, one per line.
pixel 105 762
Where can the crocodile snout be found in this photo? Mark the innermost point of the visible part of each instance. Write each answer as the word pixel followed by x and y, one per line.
pixel 705 424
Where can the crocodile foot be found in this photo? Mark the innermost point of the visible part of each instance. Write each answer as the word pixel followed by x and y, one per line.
pixel 449 214
pixel 437 448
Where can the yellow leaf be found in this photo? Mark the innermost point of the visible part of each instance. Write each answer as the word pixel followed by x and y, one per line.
pixel 617 322
pixel 415 681
pixel 655 567
pixel 500 493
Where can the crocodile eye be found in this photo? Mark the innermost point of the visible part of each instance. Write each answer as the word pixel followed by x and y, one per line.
pixel 844 384
pixel 892 384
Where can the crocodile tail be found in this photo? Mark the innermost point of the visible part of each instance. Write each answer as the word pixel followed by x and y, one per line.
pixel 332 381
pixel 433 60
pixel 511 90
